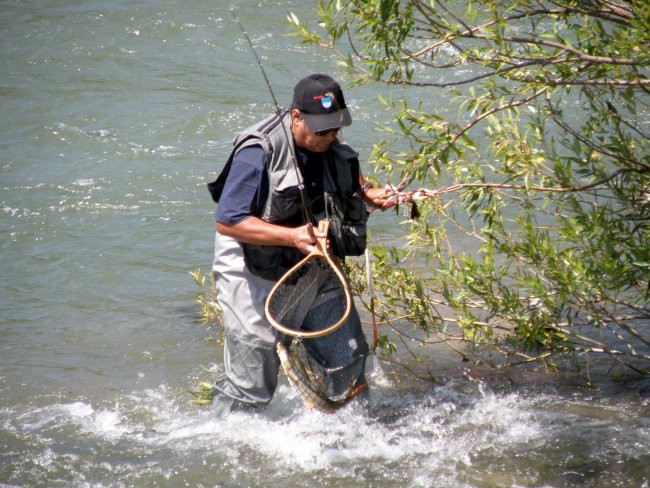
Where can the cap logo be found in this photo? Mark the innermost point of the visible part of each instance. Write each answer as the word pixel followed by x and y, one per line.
pixel 326 100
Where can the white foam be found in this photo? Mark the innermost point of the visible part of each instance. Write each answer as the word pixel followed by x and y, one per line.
pixel 428 432
pixel 167 150
pixel 441 427
pixel 428 436
pixel 77 409
pixel 84 182
pixel 108 423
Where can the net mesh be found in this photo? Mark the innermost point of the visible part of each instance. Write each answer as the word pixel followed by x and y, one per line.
pixel 295 303
pixel 324 388
pixel 326 371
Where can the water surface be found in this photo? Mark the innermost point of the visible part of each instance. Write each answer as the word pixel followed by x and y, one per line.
pixel 114 115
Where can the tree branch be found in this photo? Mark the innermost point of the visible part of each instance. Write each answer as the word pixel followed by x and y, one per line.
pixel 409 196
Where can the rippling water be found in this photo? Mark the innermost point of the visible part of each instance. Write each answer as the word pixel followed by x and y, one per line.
pixel 114 115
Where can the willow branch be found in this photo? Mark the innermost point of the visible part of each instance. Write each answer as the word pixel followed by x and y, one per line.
pixel 408 196
pixel 559 121
pixel 408 178
pixel 556 82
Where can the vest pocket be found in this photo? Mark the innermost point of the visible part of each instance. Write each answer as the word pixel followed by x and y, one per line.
pixel 285 204
pixel 270 262
pixel 348 231
pixel 347 238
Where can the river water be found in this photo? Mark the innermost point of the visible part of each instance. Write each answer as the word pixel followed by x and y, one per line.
pixel 114 115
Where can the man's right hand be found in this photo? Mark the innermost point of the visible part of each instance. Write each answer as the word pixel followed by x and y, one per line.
pixel 254 230
pixel 304 238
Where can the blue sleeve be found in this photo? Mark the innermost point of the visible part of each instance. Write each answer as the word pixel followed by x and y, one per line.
pixel 246 187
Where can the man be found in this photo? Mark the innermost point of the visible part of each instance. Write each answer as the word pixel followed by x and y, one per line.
pixel 282 172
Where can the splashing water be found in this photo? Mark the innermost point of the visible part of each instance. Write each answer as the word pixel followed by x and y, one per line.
pixel 459 433
pixel 114 116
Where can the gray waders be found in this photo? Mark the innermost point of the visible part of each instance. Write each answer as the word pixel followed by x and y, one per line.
pixel 250 360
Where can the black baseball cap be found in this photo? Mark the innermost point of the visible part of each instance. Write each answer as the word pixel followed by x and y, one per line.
pixel 320 101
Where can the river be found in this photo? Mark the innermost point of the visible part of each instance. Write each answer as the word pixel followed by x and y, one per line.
pixel 114 115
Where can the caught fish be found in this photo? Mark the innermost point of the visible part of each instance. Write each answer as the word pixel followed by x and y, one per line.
pixel 299 378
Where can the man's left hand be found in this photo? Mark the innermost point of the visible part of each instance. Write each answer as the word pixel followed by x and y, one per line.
pixel 381 198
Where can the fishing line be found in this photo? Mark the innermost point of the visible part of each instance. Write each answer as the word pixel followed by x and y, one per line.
pixel 328 316
pixel 371 293
pixel 296 296
pixel 297 282
pixel 306 210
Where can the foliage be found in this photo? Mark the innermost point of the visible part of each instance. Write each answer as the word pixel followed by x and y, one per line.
pixel 209 312
pixel 534 241
pixel 205 394
pixel 210 315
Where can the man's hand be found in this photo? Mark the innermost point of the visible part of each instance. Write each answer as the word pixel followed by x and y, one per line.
pixel 381 198
pixel 304 238
pixel 254 230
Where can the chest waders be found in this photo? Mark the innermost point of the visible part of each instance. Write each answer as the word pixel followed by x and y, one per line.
pixel 250 360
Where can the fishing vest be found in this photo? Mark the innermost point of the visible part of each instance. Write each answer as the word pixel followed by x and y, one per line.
pixel 344 204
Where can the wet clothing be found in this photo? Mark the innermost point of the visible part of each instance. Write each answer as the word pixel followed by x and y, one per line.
pixel 260 176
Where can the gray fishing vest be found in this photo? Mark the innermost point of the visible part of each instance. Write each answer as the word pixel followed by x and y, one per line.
pixel 343 203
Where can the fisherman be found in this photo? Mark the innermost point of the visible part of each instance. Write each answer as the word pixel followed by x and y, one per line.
pixel 261 229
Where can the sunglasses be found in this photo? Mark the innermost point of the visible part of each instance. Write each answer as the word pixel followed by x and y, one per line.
pixel 324 132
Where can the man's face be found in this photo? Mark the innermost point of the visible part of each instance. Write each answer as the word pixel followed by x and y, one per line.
pixel 307 139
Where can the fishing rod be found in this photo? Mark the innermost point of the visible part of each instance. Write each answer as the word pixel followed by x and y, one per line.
pixel 306 211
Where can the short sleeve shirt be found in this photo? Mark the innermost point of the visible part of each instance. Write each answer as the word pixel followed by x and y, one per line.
pixel 247 185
